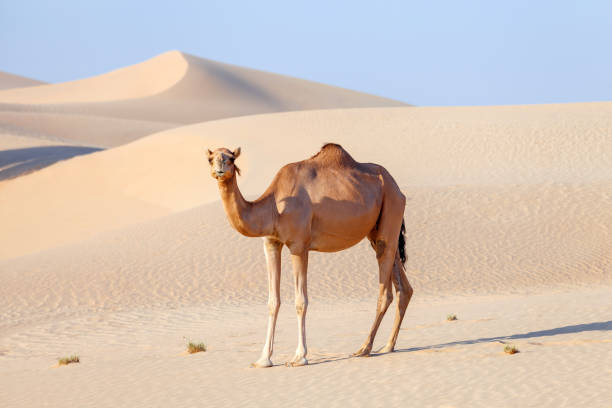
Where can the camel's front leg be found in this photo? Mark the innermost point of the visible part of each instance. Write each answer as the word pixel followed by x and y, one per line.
pixel 300 267
pixel 272 249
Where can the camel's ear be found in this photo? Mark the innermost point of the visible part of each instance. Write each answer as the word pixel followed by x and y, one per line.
pixel 236 153
pixel 209 154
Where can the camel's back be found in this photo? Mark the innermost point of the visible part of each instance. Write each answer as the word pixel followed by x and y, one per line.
pixel 332 175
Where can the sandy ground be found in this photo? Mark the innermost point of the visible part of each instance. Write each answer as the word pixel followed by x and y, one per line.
pixel 115 247
pixel 136 358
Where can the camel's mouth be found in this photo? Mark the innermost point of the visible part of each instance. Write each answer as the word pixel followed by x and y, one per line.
pixel 220 175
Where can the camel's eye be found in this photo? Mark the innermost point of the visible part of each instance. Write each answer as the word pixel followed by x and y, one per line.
pixel 231 159
pixel 210 160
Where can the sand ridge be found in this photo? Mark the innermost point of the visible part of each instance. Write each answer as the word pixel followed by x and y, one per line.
pixel 178 87
pixel 8 81
pixel 139 80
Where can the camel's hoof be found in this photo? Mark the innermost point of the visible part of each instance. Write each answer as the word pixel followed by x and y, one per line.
pixel 362 352
pixel 297 362
pixel 262 363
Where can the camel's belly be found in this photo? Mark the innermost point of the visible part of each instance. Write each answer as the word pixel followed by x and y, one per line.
pixel 342 230
pixel 333 244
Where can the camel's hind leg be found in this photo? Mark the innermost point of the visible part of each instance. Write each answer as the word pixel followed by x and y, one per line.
pixel 384 242
pixel 404 293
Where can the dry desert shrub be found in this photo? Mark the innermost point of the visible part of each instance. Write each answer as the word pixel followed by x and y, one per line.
pixel 510 349
pixel 68 360
pixel 195 347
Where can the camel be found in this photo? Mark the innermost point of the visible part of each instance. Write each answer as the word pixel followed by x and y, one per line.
pixel 326 203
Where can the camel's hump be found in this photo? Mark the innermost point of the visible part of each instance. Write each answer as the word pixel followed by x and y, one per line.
pixel 333 153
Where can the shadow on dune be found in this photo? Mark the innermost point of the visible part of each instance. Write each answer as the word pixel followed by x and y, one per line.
pixel 577 328
pixel 15 162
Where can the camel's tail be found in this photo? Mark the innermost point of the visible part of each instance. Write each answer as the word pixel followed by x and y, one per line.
pixel 401 245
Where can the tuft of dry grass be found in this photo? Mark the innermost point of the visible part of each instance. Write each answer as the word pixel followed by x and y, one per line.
pixel 451 317
pixel 511 349
pixel 195 347
pixel 68 360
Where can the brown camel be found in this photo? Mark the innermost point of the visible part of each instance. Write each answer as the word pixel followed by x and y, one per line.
pixel 326 203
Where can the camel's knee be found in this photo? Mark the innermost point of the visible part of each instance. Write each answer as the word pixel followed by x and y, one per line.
pixel 409 291
pixel 389 297
pixel 301 305
pixel 405 294
pixel 385 299
pixel 273 306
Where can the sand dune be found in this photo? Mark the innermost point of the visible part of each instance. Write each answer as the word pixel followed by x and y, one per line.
pixel 31 141
pixel 166 91
pixel 136 81
pixel 86 130
pixel 122 254
pixel 178 87
pixel 8 81
pixel 167 172
pixel 17 162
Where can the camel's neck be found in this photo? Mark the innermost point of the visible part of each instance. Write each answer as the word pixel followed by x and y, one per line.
pixel 253 219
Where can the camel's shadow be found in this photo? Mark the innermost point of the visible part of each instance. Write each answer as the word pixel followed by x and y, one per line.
pixel 577 328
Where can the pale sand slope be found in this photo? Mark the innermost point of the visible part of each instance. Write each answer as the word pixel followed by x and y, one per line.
pixel 167 91
pixel 8 81
pixel 45 138
pixel 83 130
pixel 560 152
pixel 31 154
pixel 508 223
pixel 180 88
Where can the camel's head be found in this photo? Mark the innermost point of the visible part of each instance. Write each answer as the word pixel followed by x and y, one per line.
pixel 222 165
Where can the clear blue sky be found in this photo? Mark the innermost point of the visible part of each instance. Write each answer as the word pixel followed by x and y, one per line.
pixel 423 52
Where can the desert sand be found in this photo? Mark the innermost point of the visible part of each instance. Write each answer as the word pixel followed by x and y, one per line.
pixel 115 246
pixel 8 81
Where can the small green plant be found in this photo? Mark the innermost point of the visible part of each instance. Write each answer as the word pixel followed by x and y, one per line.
pixel 68 360
pixel 510 349
pixel 195 347
pixel 451 317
